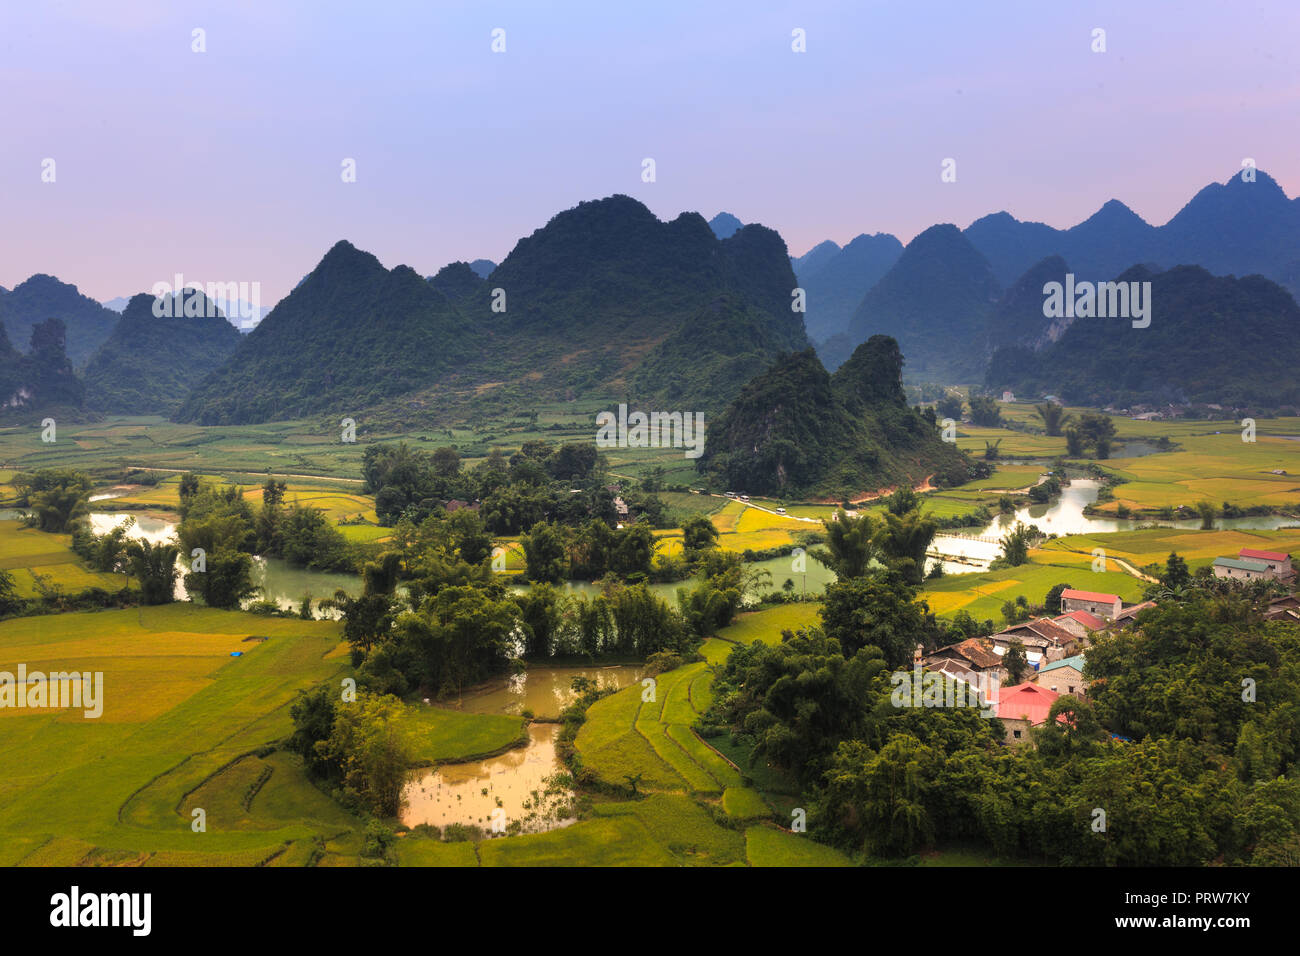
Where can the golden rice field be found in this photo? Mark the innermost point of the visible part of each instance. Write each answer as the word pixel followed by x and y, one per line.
pixel 1153 545
pixel 25 552
pixel 1215 468
pixel 982 594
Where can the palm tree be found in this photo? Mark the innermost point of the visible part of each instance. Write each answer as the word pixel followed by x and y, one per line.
pixel 904 540
pixel 1054 417
pixel 851 545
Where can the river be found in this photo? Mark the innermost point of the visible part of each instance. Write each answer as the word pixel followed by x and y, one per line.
pixel 1065 516
pixel 279 581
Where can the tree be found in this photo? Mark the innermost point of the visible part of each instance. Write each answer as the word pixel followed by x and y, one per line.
pixel 1176 573
pixel 446 461
pixel 272 493
pixel 1052 602
pixel 227 580
pixel 698 536
pixel 1074 442
pixel 54 497
pixel 369 753
pixel 1207 512
pixel 189 486
pixel 991 449
pixel 469 536
pixel 154 566
pixel 1097 429
pixel 887 791
pixel 1015 545
pixel 984 411
pixel 904 539
pixel 950 406
pixel 850 545
pixel 878 611
pixel 313 720
pixel 544 553
pixel 9 599
pixel 1054 417
pixel 1015 661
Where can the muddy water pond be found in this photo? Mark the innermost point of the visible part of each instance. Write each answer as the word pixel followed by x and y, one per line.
pixel 523 786
pixel 545 691
pixel 516 787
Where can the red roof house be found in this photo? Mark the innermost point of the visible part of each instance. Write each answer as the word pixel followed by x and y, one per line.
pixel 1096 603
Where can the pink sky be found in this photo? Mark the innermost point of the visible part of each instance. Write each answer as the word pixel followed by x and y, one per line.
pixel 225 165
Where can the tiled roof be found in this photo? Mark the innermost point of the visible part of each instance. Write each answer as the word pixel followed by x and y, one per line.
pixel 1076 662
pixel 1263 555
pixel 974 651
pixel 1091 621
pixel 1025 702
pixel 1044 628
pixel 1097 596
pixel 1134 610
pixel 1241 564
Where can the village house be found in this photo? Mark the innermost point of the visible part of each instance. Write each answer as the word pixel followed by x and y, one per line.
pixel 1278 562
pixel 1241 569
pixel 1043 640
pixel 1021 707
pixel 1064 676
pixel 1128 615
pixel 455 504
pixel 972 656
pixel 1285 608
pixel 1079 623
pixel 1105 606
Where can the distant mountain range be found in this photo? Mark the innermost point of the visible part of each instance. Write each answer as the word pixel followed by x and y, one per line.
pixel 725 225
pixel 604 300
pixel 607 301
pixel 932 299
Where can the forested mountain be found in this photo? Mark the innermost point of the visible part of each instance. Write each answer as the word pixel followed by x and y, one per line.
pixel 836 283
pixel 149 363
pixel 583 303
pixel 87 323
pixel 798 429
pixel 457 281
pixel 1211 339
pixel 351 335
pixel 935 301
pixel 482 267
pixel 1018 318
pixel 42 381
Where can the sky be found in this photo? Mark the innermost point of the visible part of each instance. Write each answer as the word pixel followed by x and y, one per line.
pixel 226 165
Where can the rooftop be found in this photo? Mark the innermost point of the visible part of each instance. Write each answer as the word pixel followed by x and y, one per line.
pixel 1241 564
pixel 1097 596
